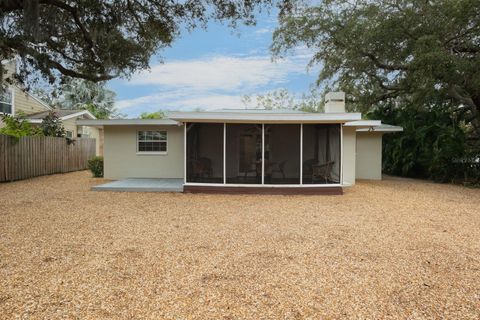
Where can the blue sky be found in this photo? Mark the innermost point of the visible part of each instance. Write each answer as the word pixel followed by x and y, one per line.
pixel 212 69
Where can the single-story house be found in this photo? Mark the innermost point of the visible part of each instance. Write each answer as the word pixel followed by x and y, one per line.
pixel 248 150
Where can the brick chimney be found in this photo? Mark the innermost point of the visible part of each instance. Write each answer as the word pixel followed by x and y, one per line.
pixel 335 102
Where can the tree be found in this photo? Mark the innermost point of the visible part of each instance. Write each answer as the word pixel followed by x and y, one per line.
pixel 386 50
pixel 94 97
pixel 433 144
pixel 152 115
pixel 99 40
pixel 283 99
pixel 52 126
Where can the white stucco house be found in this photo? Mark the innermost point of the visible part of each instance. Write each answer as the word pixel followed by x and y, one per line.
pixel 245 150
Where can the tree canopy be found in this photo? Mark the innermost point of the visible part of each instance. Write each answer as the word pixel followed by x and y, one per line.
pixel 408 51
pixel 99 40
pixel 152 115
pixel 79 94
pixel 283 99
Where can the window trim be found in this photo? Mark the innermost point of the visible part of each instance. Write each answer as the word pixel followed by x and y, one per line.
pixel 146 153
pixel 12 102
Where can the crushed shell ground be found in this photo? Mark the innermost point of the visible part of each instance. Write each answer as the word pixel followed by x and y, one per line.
pixel 394 249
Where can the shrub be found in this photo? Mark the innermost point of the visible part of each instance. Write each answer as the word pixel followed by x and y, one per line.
pixel 96 166
pixel 17 127
pixel 52 125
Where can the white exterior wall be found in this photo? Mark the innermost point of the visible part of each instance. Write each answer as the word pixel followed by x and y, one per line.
pixel 122 160
pixel 349 145
pixel 369 155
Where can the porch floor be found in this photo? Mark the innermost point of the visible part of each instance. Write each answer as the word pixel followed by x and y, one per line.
pixel 142 185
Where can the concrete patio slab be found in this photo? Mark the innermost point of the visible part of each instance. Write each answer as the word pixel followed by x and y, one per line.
pixel 142 185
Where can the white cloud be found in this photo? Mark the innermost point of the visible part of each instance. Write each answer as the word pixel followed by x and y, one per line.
pixel 180 100
pixel 263 31
pixel 209 83
pixel 219 73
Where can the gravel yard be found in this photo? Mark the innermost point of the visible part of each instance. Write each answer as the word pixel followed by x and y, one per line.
pixel 392 249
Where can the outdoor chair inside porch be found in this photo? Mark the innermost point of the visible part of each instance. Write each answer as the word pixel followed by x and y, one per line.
pixel 202 167
pixel 252 166
pixel 279 168
pixel 322 172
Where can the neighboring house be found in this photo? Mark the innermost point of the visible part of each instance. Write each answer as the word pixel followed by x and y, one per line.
pixel 14 100
pixel 231 150
pixel 17 102
pixel 69 120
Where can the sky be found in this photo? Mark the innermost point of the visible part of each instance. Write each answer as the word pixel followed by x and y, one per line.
pixel 212 69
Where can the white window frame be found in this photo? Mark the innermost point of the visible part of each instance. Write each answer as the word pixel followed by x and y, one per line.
pixel 12 102
pixel 151 152
pixel 71 133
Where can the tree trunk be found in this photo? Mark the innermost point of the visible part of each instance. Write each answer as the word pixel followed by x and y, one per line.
pixel 475 120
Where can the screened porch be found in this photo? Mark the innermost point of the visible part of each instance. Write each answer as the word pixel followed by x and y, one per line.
pixel 232 154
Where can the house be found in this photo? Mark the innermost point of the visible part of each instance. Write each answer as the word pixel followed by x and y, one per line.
pixel 69 120
pixel 14 100
pixel 18 102
pixel 255 151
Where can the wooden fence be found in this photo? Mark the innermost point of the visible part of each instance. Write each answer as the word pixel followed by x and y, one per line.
pixel 37 156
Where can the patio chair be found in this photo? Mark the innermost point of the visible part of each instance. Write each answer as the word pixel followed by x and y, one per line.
pixel 308 167
pixel 279 168
pixel 251 166
pixel 202 167
pixel 322 172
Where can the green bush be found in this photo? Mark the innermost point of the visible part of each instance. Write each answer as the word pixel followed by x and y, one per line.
pixel 96 166
pixel 17 127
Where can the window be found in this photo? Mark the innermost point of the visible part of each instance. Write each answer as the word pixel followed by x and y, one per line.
pixel 152 141
pixel 69 134
pixel 6 101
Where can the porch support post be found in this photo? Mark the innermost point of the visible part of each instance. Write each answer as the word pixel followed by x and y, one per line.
pixel 341 153
pixel 224 153
pixel 263 153
pixel 184 152
pixel 301 153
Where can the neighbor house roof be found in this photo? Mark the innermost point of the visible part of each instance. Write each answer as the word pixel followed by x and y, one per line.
pixel 62 114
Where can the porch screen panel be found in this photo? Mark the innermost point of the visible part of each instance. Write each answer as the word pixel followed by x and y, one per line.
pixel 244 153
pixel 282 154
pixel 321 153
pixel 205 152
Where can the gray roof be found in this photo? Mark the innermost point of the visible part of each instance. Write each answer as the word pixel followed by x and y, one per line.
pixel 264 116
pixel 267 111
pixel 127 122
pixel 60 113
pixel 382 128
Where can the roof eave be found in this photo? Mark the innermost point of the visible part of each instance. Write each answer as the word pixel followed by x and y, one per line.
pixel 127 122
pixel 264 118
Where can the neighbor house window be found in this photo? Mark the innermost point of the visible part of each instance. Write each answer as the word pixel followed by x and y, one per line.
pixel 69 134
pixel 152 141
pixel 6 101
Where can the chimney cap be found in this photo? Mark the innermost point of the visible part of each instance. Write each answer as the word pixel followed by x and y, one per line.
pixel 335 96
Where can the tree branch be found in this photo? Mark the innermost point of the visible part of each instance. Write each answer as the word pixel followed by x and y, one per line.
pixel 390 67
